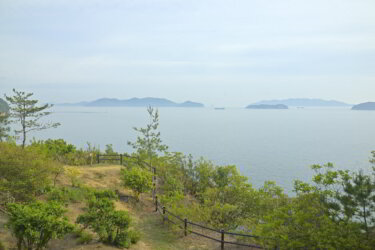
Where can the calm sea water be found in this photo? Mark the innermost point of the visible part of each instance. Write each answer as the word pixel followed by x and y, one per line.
pixel 277 145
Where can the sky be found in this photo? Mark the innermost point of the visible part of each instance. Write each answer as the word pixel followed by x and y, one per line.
pixel 218 52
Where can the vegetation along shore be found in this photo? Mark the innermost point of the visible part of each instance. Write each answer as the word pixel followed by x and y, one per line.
pixel 56 196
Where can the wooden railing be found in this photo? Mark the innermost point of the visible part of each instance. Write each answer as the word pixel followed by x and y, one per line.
pixel 184 223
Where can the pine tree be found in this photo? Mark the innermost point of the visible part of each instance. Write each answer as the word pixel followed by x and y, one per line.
pixel 26 111
pixel 149 143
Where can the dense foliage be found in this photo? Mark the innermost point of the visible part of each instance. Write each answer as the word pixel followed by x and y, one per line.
pixel 65 153
pixel 35 224
pixel 336 211
pixel 112 226
pixel 24 173
pixel 137 179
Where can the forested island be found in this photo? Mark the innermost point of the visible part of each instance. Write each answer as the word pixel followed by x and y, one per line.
pixel 54 194
pixel 364 106
pixel 135 102
pixel 305 102
pixel 267 106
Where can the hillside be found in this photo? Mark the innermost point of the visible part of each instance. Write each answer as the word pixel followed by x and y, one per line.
pixel 305 102
pixel 134 102
pixel 154 234
pixel 4 107
pixel 364 106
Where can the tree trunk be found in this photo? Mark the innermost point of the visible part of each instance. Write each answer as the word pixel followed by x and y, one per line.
pixel 24 138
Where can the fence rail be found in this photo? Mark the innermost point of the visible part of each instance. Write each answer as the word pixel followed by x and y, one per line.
pixel 165 214
pixel 120 158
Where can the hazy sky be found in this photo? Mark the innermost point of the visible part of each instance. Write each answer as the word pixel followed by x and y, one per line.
pixel 219 52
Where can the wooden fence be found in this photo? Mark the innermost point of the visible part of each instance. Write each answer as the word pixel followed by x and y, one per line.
pixel 111 158
pixel 184 223
pixel 120 159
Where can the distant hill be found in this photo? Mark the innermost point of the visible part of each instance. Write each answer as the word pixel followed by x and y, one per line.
pixel 134 102
pixel 4 107
pixel 267 106
pixel 305 102
pixel 364 106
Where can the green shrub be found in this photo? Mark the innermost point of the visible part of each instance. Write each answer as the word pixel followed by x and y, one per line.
pixel 66 153
pixel 110 225
pixel 126 238
pixel 134 236
pixel 83 237
pixel 2 247
pixel 35 224
pixel 110 194
pixel 68 195
pixel 138 179
pixel 24 173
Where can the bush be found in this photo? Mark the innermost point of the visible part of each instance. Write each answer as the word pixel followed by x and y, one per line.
pixel 24 173
pixel 100 194
pixel 138 179
pixel 2 247
pixel 110 225
pixel 66 153
pixel 72 173
pixel 35 224
pixel 83 236
pixel 67 195
pixel 134 236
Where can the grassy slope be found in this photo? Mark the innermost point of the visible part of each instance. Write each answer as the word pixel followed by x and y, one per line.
pixel 155 235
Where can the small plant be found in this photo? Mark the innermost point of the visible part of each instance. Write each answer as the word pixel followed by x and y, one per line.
pixel 83 236
pixel 2 247
pixel 73 173
pixel 134 236
pixel 138 179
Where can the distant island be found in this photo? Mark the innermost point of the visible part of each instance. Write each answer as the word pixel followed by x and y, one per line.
pixel 364 106
pixel 304 102
pixel 267 106
pixel 135 102
pixel 4 107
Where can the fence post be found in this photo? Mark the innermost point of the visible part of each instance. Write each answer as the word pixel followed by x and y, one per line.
pixel 185 226
pixel 163 214
pixel 153 191
pixel 97 158
pixel 121 159
pixel 156 203
pixel 222 239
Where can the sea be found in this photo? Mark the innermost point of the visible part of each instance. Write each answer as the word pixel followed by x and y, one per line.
pixel 275 145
